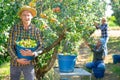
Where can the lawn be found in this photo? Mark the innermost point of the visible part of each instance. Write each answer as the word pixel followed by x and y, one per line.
pixel 4 70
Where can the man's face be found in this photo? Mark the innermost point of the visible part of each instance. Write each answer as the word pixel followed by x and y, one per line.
pixel 26 17
pixel 103 21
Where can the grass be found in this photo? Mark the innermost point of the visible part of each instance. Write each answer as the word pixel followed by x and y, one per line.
pixel 4 70
pixel 116 69
pixel 114 44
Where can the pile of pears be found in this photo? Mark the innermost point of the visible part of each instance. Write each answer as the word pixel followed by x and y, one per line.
pixel 27 43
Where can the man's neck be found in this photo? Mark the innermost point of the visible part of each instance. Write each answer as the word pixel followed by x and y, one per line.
pixel 26 25
pixel 104 23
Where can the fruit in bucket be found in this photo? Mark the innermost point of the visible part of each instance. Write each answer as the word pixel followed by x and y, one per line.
pixel 27 43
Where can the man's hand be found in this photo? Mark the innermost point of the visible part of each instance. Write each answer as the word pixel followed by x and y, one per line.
pixel 96 24
pixel 23 61
pixel 27 52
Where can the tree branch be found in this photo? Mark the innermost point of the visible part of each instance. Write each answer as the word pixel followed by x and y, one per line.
pixel 56 42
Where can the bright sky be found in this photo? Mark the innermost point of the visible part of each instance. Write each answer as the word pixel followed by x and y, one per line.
pixel 109 11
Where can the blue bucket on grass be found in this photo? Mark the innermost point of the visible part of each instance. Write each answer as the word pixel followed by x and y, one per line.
pixel 116 58
pixel 18 48
pixel 64 79
pixel 66 62
pixel 98 73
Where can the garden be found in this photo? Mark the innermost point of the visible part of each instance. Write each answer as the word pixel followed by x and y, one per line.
pixel 65 25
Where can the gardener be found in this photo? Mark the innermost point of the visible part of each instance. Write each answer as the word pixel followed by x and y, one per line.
pixel 21 31
pixel 98 56
pixel 104 32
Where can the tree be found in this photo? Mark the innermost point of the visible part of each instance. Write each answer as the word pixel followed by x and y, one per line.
pixel 64 24
pixel 116 9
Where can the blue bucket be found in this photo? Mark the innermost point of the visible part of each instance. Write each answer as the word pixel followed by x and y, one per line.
pixel 64 79
pixel 116 58
pixel 18 48
pixel 98 73
pixel 66 63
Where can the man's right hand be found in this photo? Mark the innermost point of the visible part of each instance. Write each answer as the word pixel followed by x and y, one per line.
pixel 23 61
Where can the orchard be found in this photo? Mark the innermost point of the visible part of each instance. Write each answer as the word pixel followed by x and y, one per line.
pixel 63 23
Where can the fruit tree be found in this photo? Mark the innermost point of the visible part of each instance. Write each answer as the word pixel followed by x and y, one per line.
pixel 64 24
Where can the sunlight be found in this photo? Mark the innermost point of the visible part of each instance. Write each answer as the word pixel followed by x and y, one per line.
pixel 109 10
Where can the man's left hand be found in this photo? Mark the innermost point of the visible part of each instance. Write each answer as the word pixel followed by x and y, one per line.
pixel 27 52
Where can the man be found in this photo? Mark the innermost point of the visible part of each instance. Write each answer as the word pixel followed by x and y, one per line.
pixel 104 32
pixel 23 30
pixel 98 55
pixel 97 65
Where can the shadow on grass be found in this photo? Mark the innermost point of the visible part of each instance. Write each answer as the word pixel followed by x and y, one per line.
pixel 114 45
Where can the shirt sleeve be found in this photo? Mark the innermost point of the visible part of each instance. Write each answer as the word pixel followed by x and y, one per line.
pixel 102 27
pixel 11 44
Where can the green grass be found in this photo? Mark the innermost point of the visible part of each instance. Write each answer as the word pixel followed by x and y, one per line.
pixel 114 44
pixel 4 70
pixel 116 69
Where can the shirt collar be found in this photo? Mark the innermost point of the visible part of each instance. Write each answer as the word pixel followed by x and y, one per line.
pixel 21 25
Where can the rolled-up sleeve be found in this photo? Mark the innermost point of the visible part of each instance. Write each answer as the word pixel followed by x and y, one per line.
pixel 11 44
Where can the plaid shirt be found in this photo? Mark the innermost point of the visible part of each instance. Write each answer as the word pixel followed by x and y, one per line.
pixel 17 33
pixel 104 30
pixel 98 53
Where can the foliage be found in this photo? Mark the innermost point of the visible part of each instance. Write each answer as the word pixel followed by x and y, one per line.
pixel 112 21
pixel 116 9
pixel 75 17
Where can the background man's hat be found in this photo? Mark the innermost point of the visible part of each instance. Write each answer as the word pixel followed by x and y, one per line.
pixel 28 8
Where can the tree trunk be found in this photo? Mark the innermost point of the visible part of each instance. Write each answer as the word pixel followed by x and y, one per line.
pixel 40 72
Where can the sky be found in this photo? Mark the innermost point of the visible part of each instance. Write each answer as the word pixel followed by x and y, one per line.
pixel 109 9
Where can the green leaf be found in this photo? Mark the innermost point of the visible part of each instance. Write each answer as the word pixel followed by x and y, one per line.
pixel 1 1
